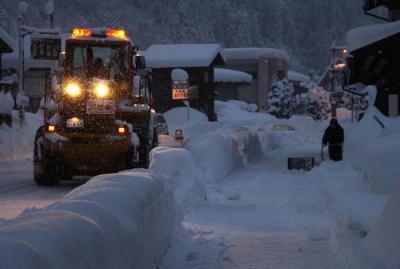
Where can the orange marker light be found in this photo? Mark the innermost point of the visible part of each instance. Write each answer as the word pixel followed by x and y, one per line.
pixel 51 128
pixel 121 130
pixel 81 32
pixel 117 33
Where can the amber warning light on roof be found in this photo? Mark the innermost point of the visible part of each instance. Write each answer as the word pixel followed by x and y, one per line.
pixel 117 33
pixel 85 32
pixel 81 32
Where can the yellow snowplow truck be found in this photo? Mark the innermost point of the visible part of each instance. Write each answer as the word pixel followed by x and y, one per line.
pixel 94 121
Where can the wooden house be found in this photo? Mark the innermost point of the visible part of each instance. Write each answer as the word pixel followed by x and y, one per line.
pixel 375 60
pixel 198 60
pixel 229 84
pixel 264 65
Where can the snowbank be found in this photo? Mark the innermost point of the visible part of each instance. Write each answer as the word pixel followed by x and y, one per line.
pixel 122 220
pixel 373 148
pixel 178 164
pixel 6 102
pixel 16 143
pixel 177 118
pixel 384 238
pixel 381 163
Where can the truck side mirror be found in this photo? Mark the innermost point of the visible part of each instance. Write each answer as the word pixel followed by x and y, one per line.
pixel 140 62
pixel 61 59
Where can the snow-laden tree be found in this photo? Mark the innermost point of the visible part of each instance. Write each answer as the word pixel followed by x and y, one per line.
pixel 280 100
pixel 318 106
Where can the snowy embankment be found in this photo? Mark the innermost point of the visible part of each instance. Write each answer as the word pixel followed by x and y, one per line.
pixel 122 220
pixel 213 150
pixel 16 143
pixel 368 215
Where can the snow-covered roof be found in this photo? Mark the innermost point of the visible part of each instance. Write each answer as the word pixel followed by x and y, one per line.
pixel 254 54
pixel 182 55
pixel 7 40
pixel 231 76
pixel 366 35
pixel 294 76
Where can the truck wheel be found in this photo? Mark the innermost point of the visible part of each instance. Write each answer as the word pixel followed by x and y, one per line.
pixel 43 171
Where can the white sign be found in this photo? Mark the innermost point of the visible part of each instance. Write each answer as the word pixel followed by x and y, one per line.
pixel 100 107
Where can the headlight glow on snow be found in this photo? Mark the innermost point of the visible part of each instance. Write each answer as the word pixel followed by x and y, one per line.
pixel 73 89
pixel 101 90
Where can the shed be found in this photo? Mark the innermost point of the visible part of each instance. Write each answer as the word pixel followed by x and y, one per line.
pixel 228 82
pixel 198 60
pixel 375 60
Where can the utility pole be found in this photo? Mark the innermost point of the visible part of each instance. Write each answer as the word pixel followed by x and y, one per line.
pixel 50 12
pixel 22 10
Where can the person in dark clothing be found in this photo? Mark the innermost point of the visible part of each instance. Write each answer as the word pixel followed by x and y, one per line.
pixel 334 136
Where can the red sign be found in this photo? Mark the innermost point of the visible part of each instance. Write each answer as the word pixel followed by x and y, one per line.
pixel 180 94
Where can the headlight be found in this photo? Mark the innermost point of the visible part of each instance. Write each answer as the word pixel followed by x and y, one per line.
pixel 72 89
pixel 101 90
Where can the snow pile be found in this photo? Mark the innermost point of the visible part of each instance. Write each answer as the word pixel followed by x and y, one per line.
pixel 16 143
pixel 384 238
pixel 179 166
pixel 177 118
pixel 182 55
pixel 6 102
pixel 373 148
pixel 366 35
pixel 122 220
pixel 231 76
pixel 381 162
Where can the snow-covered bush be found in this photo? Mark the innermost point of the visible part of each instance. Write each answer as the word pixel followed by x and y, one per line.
pixel 279 99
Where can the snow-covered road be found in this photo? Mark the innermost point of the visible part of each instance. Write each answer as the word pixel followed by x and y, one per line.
pixel 262 216
pixel 18 191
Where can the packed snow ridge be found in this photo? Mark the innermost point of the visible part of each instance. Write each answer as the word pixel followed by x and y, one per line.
pixel 129 219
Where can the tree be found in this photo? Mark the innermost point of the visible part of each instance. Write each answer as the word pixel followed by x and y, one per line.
pixel 279 99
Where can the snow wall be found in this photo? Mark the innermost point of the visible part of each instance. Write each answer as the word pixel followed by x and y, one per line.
pixel 122 220
pixel 383 240
pixel 374 149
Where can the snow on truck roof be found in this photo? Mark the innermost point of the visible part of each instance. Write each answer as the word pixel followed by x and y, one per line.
pixel 231 76
pixel 233 54
pixel 182 55
pixel 7 40
pixel 367 35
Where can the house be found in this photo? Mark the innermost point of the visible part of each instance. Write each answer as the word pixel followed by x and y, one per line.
pixel 375 60
pixel 198 60
pixel 37 67
pixel 264 65
pixel 7 45
pixel 228 82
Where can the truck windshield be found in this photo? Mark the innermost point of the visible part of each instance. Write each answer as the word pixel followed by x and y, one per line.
pixel 104 62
